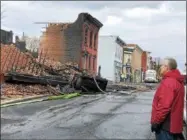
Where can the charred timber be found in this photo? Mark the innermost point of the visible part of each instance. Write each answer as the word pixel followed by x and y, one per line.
pixel 87 84
pixel 30 79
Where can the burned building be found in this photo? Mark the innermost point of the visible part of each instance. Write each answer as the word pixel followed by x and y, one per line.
pixel 73 42
pixel 6 37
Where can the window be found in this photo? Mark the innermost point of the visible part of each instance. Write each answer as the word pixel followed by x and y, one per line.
pixel 89 64
pixel 84 62
pixel 91 36
pixel 85 35
pixel 95 39
pixel 93 63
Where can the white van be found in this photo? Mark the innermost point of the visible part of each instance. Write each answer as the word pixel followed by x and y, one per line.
pixel 150 76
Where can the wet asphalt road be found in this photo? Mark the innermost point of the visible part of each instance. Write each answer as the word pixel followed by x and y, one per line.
pixel 86 117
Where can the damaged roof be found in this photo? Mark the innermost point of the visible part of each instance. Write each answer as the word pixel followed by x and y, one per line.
pixel 92 19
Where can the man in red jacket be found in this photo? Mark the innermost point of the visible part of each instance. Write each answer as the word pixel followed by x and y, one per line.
pixel 168 103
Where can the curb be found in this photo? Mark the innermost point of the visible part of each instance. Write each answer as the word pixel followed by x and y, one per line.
pixel 128 92
pixel 24 99
pixel 133 91
pixel 25 102
pixel 124 92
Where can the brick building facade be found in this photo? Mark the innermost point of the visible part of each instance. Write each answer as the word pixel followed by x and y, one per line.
pixel 144 61
pixel 73 42
pixel 136 63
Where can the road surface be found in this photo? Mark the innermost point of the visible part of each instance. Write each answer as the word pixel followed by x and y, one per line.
pixel 103 116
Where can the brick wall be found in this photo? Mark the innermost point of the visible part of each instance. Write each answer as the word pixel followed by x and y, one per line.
pixel 73 37
pixel 51 44
pixel 65 43
pixel 136 59
pixel 91 48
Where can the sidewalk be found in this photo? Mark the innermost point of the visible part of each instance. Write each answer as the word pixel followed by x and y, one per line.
pixel 23 99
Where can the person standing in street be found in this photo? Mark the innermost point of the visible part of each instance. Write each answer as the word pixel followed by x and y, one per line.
pixel 168 103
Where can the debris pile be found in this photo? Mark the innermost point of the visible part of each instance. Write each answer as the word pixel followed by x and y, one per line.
pixel 119 87
pixel 10 90
pixel 25 75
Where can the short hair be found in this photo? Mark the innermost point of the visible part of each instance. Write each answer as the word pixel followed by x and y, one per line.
pixel 171 62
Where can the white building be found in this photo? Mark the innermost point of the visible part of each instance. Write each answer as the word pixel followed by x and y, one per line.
pixel 110 55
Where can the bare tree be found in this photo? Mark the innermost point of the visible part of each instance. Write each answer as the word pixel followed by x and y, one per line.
pixel 32 43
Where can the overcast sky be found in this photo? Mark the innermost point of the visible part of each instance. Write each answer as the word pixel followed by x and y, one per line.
pixel 157 26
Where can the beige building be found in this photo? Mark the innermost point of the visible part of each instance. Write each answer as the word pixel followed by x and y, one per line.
pixel 136 64
pixel 127 58
pixel 148 60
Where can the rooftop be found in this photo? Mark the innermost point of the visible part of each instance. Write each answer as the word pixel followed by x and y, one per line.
pixel 6 31
pixel 135 46
pixel 58 23
pixel 115 37
pixel 92 19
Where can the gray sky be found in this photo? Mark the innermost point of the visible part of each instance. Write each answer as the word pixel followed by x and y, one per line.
pixel 156 26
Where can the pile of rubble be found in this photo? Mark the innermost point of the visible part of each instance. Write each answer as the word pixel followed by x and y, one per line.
pixel 140 87
pixel 25 75
pixel 12 90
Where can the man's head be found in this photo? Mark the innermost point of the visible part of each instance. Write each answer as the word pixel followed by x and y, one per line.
pixel 167 65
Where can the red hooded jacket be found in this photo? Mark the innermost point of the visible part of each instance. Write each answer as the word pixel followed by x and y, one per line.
pixel 168 103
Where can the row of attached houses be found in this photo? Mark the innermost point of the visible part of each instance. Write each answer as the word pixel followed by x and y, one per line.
pixel 136 62
pixel 119 61
pixel 79 42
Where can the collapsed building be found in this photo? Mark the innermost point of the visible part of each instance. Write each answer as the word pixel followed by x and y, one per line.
pixel 62 49
pixel 72 42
